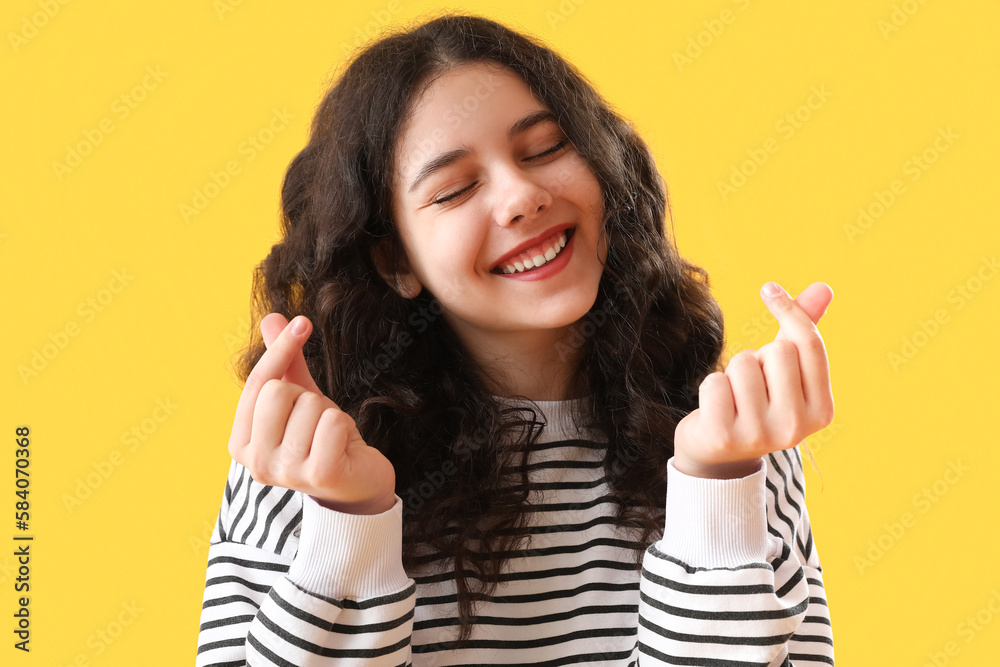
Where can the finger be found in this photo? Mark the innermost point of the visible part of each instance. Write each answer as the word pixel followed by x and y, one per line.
pixel 798 327
pixel 749 397
pixel 271 413
pixel 299 430
pixel 748 386
pixel 331 441
pixel 271 366
pixel 779 362
pixel 271 327
pixel 716 405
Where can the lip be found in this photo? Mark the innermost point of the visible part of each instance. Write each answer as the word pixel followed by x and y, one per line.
pixel 529 243
pixel 549 268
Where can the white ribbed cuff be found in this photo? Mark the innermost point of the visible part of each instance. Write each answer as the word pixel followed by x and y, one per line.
pixel 713 523
pixel 349 556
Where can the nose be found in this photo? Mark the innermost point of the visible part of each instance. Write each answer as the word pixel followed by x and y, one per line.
pixel 521 197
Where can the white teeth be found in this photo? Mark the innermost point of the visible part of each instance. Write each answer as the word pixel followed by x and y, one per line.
pixel 537 260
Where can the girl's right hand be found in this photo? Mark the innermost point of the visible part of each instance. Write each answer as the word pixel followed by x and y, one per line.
pixel 287 433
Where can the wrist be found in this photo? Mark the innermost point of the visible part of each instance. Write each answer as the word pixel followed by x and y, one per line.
pixel 379 506
pixel 727 470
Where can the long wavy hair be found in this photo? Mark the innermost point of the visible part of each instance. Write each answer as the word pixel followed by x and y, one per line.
pixel 392 363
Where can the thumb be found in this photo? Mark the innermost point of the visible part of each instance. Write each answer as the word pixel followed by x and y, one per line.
pixel 271 327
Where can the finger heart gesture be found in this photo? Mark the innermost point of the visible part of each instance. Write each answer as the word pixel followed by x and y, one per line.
pixel 288 434
pixel 766 400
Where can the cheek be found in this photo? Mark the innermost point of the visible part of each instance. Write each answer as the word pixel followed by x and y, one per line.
pixel 604 243
pixel 596 195
pixel 594 198
pixel 447 255
pixel 585 184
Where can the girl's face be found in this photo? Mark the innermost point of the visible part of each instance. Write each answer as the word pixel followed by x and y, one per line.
pixel 485 180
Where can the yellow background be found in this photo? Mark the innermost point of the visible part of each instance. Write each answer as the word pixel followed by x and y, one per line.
pixel 896 74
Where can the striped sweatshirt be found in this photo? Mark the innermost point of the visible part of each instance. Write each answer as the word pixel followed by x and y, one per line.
pixel 735 578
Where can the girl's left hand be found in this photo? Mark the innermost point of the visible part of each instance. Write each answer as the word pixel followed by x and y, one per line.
pixel 767 400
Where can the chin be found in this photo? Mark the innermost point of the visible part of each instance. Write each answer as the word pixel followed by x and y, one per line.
pixel 567 314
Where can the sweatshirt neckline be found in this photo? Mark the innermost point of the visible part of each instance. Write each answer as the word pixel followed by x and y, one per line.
pixel 561 417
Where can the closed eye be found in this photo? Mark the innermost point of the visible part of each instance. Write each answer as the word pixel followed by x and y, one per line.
pixel 552 150
pixel 555 149
pixel 446 199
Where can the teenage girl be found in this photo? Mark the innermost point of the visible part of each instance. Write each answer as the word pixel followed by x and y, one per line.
pixel 486 419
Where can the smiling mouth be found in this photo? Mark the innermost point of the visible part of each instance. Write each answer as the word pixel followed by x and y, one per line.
pixel 525 263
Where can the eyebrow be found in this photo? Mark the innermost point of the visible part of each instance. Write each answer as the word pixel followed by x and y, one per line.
pixel 450 157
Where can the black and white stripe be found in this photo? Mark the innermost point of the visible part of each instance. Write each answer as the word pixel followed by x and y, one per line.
pixel 572 596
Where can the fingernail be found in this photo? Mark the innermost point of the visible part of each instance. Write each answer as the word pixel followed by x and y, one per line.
pixel 299 327
pixel 771 290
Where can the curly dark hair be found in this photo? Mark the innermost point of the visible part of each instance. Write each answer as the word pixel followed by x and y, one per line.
pixel 393 364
